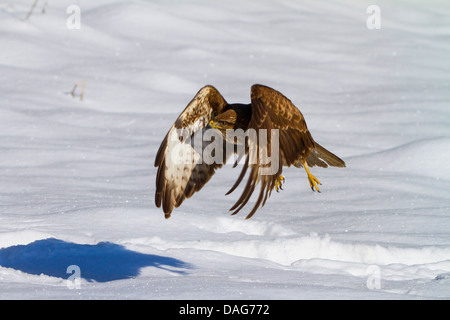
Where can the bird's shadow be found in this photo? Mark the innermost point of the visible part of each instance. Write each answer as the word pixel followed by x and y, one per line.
pixel 102 262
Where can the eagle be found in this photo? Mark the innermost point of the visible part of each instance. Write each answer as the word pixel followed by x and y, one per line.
pixel 182 172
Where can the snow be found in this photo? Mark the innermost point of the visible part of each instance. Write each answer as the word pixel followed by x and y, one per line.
pixel 77 176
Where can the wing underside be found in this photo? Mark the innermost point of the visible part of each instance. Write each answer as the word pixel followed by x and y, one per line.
pixel 181 171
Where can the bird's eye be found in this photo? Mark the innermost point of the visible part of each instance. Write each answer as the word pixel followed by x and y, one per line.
pixel 223 123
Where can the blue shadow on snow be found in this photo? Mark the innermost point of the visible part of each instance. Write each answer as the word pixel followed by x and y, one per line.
pixel 101 262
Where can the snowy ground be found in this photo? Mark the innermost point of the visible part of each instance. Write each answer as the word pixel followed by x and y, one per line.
pixel 77 177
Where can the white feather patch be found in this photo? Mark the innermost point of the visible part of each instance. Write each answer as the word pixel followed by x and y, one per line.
pixel 181 157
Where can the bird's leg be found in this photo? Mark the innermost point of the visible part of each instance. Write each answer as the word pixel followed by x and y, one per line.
pixel 279 182
pixel 313 181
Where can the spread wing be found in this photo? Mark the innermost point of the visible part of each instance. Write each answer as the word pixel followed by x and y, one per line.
pixel 180 174
pixel 272 110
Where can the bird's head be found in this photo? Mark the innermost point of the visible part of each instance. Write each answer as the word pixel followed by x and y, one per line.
pixel 224 121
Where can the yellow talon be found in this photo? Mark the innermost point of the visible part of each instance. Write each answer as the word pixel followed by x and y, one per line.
pixel 313 181
pixel 279 182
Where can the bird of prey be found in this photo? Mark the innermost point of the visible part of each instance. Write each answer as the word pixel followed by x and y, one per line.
pixel 181 173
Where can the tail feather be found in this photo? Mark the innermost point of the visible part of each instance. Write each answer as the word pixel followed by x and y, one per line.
pixel 321 157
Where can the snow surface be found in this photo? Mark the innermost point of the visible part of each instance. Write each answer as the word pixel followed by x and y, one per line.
pixel 77 177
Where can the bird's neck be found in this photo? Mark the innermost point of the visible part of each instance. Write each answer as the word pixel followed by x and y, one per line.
pixel 243 115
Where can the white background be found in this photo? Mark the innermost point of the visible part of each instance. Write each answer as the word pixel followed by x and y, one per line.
pixel 77 177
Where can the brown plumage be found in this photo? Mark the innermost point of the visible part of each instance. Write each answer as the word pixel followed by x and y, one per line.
pixel 269 109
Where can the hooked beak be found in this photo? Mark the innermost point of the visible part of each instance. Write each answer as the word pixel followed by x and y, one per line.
pixel 213 125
